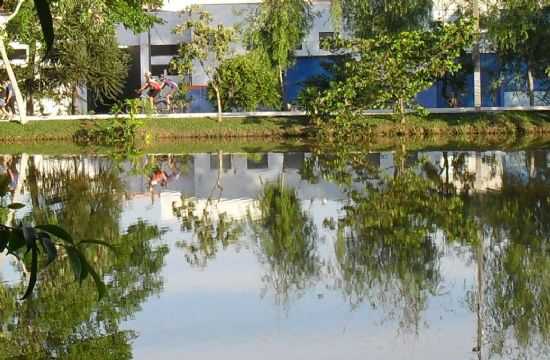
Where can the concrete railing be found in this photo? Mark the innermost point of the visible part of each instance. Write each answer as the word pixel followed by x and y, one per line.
pixel 264 114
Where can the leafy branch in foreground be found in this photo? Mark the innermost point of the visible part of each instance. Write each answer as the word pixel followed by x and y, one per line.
pixel 22 241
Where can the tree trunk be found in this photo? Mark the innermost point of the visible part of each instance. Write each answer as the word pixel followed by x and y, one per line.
pixel 30 81
pixel 13 81
pixel 530 85
pixel 402 110
pixel 282 85
pixel 480 260
pixel 74 98
pixel 476 57
pixel 17 193
pixel 219 102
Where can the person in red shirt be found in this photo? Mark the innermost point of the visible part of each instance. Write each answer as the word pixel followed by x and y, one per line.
pixel 153 86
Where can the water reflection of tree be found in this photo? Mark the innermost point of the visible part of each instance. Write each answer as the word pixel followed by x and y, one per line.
pixel 385 248
pixel 287 242
pixel 87 198
pixel 211 231
pixel 513 296
pixel 64 319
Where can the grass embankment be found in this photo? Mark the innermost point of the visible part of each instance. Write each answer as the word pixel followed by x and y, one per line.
pixel 161 129
pixel 486 123
pixel 493 123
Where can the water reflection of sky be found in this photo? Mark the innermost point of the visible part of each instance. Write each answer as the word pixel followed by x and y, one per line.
pixel 227 310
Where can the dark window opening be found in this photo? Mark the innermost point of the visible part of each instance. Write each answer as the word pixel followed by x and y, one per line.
pixel 293 161
pixel 17 54
pixel 215 162
pixel 164 50
pixel 257 161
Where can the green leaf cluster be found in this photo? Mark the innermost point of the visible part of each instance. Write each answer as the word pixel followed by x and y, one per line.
pixel 371 18
pixel 388 71
pixel 247 82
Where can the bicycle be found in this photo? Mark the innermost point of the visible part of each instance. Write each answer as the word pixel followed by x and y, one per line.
pixel 161 105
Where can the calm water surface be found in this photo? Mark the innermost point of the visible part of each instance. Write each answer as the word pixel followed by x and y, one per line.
pixel 387 255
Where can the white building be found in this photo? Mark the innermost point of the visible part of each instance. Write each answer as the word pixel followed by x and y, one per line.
pixel 153 50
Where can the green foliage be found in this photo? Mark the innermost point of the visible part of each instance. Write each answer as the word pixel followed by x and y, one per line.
pixel 286 238
pixel 518 29
pixel 86 47
pixel 371 18
pixel 278 28
pixel 120 131
pixel 24 241
pixel 210 234
pixel 246 82
pixel 388 71
pixel 130 13
pixel 88 52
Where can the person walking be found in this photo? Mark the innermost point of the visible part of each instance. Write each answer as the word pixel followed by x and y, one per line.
pixel 9 98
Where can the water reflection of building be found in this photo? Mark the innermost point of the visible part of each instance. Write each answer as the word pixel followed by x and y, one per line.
pixel 236 180
pixel 234 183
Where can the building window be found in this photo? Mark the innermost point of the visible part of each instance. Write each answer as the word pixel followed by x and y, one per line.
pixel 17 54
pixel 294 161
pixel 257 161
pixel 164 50
pixel 324 36
pixel 215 162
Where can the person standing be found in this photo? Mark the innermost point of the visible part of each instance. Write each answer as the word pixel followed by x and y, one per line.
pixel 9 96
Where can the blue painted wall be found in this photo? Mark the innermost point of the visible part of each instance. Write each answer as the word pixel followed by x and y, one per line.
pixel 511 92
pixel 304 69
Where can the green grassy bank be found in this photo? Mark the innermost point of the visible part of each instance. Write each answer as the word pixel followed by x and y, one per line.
pixel 486 123
pixel 161 129
pixel 373 126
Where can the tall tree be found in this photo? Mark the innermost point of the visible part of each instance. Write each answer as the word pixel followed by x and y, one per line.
pixel 278 27
pixel 210 46
pixel 369 18
pixel 519 29
pixel 86 50
pixel 4 21
pixel 388 71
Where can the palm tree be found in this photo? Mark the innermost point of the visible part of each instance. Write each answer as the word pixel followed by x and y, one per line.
pixel 4 20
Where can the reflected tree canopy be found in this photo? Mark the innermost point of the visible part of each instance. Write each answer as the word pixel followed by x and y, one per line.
pixel 64 319
pixel 287 242
pixel 516 289
pixel 211 231
pixel 399 216
pixel 386 248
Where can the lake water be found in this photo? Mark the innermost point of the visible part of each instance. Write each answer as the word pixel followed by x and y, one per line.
pixel 288 255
